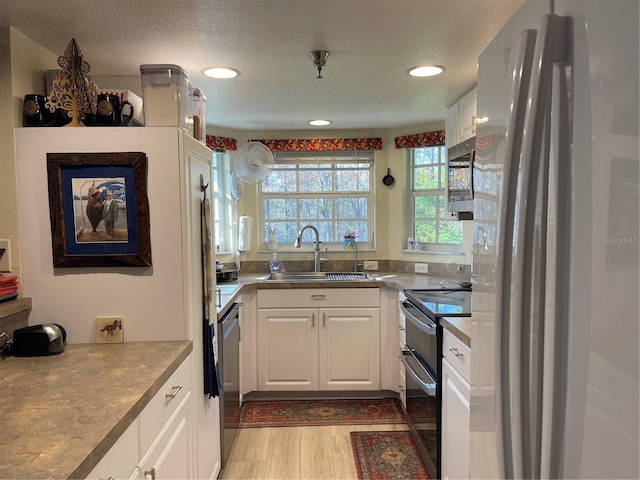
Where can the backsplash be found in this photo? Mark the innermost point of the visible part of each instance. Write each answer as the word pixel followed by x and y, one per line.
pixel 435 269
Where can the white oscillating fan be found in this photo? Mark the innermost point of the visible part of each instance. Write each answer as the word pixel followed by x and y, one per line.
pixel 252 162
pixel 237 187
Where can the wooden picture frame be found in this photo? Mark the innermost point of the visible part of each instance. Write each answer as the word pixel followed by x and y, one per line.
pixel 90 228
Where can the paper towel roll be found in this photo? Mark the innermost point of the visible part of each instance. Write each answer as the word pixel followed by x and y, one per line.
pixel 245 225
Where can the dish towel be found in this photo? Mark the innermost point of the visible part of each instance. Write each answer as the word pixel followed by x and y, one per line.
pixel 212 384
pixel 211 378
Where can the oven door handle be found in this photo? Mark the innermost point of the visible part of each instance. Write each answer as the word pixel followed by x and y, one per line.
pixel 429 386
pixel 427 327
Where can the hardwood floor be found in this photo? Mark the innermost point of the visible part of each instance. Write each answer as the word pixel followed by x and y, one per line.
pixel 296 452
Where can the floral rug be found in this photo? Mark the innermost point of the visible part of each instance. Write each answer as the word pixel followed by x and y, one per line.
pixel 298 413
pixel 386 455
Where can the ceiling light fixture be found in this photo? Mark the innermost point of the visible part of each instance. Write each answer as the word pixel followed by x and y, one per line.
pixel 425 71
pixel 319 123
pixel 319 60
pixel 221 72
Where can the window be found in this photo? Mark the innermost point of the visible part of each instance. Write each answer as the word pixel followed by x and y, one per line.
pixel 222 202
pixel 333 191
pixel 431 225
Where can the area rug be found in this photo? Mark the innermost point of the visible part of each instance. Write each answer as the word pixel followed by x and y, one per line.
pixel 386 455
pixel 298 413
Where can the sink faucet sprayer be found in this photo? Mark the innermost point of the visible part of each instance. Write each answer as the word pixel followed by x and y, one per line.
pixel 316 261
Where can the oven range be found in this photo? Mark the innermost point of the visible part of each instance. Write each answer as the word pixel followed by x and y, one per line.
pixel 422 358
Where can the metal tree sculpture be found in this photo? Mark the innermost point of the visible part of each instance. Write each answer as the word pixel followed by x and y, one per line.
pixel 72 90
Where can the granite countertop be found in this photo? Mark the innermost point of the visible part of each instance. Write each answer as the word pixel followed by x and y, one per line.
pixel 460 327
pixel 61 414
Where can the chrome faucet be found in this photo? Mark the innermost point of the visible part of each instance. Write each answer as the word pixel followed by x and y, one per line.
pixel 316 250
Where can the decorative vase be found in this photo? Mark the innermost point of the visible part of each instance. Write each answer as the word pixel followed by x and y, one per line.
pixel 348 243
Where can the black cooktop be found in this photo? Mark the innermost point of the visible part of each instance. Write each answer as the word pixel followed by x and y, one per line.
pixel 436 303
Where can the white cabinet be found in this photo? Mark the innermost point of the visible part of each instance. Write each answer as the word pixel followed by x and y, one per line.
pixel 451 126
pixel 158 443
pixel 467 115
pixel 287 349
pixel 456 393
pixel 460 123
pixel 166 428
pixel 324 340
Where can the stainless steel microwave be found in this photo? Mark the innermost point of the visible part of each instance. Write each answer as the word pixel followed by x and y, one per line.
pixel 460 178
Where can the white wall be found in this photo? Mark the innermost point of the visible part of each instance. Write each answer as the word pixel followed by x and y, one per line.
pixel 150 299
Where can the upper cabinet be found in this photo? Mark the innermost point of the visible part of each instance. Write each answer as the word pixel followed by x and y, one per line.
pixel 460 123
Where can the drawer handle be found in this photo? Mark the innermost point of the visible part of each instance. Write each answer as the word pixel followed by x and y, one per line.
pixel 174 391
pixel 456 352
pixel 318 296
pixel 150 474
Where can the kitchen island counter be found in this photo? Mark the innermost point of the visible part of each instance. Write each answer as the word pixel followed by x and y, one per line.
pixel 62 413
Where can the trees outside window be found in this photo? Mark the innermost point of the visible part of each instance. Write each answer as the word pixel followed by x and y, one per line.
pixel 331 191
pixel 431 225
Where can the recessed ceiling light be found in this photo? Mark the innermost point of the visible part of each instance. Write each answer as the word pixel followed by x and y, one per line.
pixel 425 71
pixel 221 72
pixel 319 123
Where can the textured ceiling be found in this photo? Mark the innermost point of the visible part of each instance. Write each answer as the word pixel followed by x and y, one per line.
pixel 371 43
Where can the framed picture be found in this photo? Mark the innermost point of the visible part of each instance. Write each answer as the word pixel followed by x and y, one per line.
pixel 99 209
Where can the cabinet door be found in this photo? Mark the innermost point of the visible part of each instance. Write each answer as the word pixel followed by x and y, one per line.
pixel 455 423
pixel 349 349
pixel 171 456
pixel 467 116
pixel 451 126
pixel 287 349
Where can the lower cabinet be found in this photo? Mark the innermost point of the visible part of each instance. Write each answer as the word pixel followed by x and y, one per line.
pixel 158 443
pixel 332 347
pixel 455 408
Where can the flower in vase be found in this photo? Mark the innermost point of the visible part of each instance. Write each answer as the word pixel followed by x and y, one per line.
pixel 350 234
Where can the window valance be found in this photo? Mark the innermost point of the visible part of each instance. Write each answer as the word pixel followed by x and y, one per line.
pixel 322 144
pixel 426 139
pixel 225 143
pixel 335 157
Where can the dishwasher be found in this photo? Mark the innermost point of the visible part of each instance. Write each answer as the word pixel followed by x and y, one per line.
pixel 229 369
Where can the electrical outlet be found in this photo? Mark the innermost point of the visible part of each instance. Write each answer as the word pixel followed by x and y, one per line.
pixel 371 265
pixel 5 262
pixel 421 267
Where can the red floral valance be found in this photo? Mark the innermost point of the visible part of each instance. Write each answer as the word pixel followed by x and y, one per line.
pixel 225 143
pixel 426 139
pixel 322 144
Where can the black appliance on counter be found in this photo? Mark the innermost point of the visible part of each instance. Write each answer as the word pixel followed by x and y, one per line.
pixel 38 340
pixel 422 357
pixel 226 275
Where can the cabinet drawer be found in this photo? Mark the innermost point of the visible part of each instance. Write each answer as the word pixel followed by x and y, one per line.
pixel 458 354
pixel 319 297
pixel 163 405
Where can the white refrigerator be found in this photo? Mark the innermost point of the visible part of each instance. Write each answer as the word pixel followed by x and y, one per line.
pixel 554 382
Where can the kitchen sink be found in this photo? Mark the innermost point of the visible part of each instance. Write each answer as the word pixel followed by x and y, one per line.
pixel 318 277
